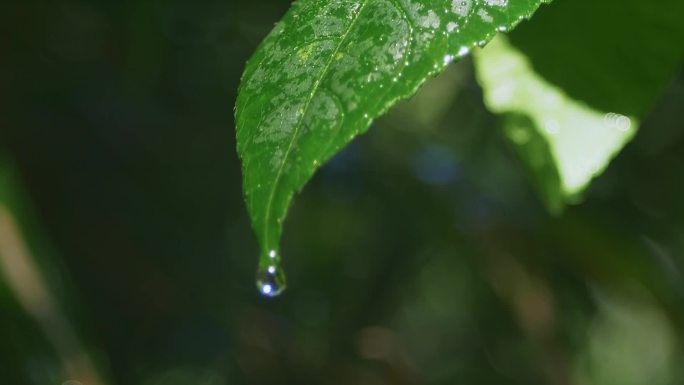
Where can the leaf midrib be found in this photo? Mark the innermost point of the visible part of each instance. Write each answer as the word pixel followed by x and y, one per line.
pixel 314 91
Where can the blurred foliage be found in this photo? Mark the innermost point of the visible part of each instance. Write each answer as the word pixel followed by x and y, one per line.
pixel 572 96
pixel 564 142
pixel 616 55
pixel 419 254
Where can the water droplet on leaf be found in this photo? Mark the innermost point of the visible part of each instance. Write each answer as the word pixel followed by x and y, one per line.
pixel 463 51
pixel 270 280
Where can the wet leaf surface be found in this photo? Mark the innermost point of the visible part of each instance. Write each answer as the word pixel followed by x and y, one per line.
pixel 327 70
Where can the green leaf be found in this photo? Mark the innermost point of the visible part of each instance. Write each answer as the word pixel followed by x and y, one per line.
pixel 564 142
pixel 572 85
pixel 327 70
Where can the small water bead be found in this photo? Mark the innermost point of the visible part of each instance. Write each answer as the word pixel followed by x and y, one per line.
pixel 485 16
pixel 618 121
pixel 355 8
pixel 461 7
pixel 552 126
pixel 463 51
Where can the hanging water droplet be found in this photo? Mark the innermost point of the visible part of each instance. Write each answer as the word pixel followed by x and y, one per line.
pixel 270 279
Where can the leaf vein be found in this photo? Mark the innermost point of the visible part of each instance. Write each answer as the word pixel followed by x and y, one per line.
pixel 314 90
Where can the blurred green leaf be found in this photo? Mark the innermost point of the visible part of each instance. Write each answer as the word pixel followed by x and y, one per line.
pixel 327 70
pixel 618 57
pixel 563 141
pixel 572 97
pixel 632 342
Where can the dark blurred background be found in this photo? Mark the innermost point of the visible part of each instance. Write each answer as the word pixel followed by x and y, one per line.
pixel 419 255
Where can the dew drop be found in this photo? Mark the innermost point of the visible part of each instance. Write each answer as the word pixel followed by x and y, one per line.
pixel 552 126
pixel 270 278
pixel 355 8
pixel 463 51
